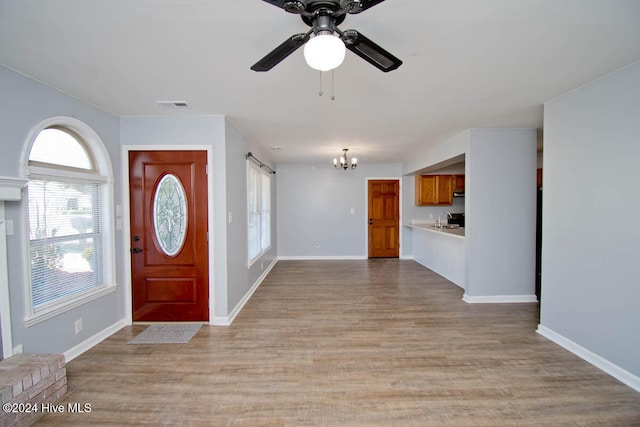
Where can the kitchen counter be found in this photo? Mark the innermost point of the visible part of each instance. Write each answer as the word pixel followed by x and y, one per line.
pixel 439 249
pixel 429 226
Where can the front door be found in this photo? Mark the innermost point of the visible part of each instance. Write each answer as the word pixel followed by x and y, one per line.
pixel 384 218
pixel 169 250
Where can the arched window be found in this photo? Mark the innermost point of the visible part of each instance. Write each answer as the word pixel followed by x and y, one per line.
pixel 70 199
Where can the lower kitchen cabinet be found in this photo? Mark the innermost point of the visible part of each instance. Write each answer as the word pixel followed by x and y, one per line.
pixel 440 252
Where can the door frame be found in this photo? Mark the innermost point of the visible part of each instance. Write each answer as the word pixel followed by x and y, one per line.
pixel 123 218
pixel 366 212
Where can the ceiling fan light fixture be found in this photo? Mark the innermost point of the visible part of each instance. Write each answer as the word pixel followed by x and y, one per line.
pixel 324 52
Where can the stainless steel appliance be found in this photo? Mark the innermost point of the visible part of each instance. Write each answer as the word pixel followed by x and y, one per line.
pixel 456 219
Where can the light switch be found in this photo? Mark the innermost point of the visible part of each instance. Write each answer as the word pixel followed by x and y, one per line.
pixel 353 211
pixel 9 225
pixel 230 217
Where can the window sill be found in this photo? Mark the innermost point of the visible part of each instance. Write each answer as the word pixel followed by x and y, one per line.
pixel 257 258
pixel 68 304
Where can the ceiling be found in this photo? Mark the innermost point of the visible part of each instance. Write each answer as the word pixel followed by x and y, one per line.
pixel 467 63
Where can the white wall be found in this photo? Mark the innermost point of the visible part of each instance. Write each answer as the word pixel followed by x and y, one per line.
pixel 241 277
pixel 314 207
pixel 499 207
pixel 233 279
pixel 500 216
pixel 194 131
pixel 24 103
pixel 443 153
pixel 590 252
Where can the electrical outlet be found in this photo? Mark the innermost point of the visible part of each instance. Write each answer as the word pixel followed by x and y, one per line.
pixel 317 245
pixel 78 326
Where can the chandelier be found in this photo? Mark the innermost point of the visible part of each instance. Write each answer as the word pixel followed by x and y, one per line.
pixel 343 161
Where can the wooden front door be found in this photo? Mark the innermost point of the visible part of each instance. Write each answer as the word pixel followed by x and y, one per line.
pixel 169 250
pixel 384 219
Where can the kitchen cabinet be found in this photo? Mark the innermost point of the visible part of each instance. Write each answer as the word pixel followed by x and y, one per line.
pixel 434 190
pixel 439 251
pixel 458 182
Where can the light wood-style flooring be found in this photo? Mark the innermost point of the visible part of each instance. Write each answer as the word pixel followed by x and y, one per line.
pixel 382 342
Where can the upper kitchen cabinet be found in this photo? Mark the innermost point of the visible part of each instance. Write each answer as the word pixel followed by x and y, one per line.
pixel 434 190
pixel 458 183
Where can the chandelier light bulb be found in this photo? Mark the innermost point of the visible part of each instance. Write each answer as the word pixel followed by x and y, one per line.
pixel 324 52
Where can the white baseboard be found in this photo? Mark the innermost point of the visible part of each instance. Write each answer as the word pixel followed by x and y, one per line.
pixel 499 299
pixel 599 362
pixel 87 344
pixel 322 258
pixel 220 321
pixel 228 320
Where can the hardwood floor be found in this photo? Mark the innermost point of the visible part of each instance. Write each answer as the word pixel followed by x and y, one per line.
pixel 382 342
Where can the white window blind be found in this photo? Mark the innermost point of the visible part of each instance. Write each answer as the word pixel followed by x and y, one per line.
pixel 65 239
pixel 259 215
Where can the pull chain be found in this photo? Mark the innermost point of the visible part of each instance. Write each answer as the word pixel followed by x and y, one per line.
pixel 333 96
pixel 333 88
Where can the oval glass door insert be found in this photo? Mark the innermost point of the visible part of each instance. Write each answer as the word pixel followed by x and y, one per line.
pixel 170 214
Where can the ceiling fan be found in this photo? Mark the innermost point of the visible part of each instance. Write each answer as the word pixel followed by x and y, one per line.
pixel 324 16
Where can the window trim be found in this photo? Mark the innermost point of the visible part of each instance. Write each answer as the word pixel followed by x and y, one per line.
pixel 39 172
pixel 251 261
pixel 102 175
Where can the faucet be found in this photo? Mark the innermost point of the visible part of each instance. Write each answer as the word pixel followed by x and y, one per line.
pixel 439 223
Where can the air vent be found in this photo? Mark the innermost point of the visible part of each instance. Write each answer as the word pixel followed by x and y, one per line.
pixel 172 103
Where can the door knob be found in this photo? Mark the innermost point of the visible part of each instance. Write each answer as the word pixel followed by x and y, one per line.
pixel 136 250
pixel 370 221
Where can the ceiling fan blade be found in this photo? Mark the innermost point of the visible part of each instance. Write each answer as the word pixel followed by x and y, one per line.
pixel 361 5
pixel 369 51
pixel 274 57
pixel 277 3
pixel 293 6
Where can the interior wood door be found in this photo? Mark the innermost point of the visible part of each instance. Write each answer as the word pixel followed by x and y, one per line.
pixel 169 250
pixel 384 218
